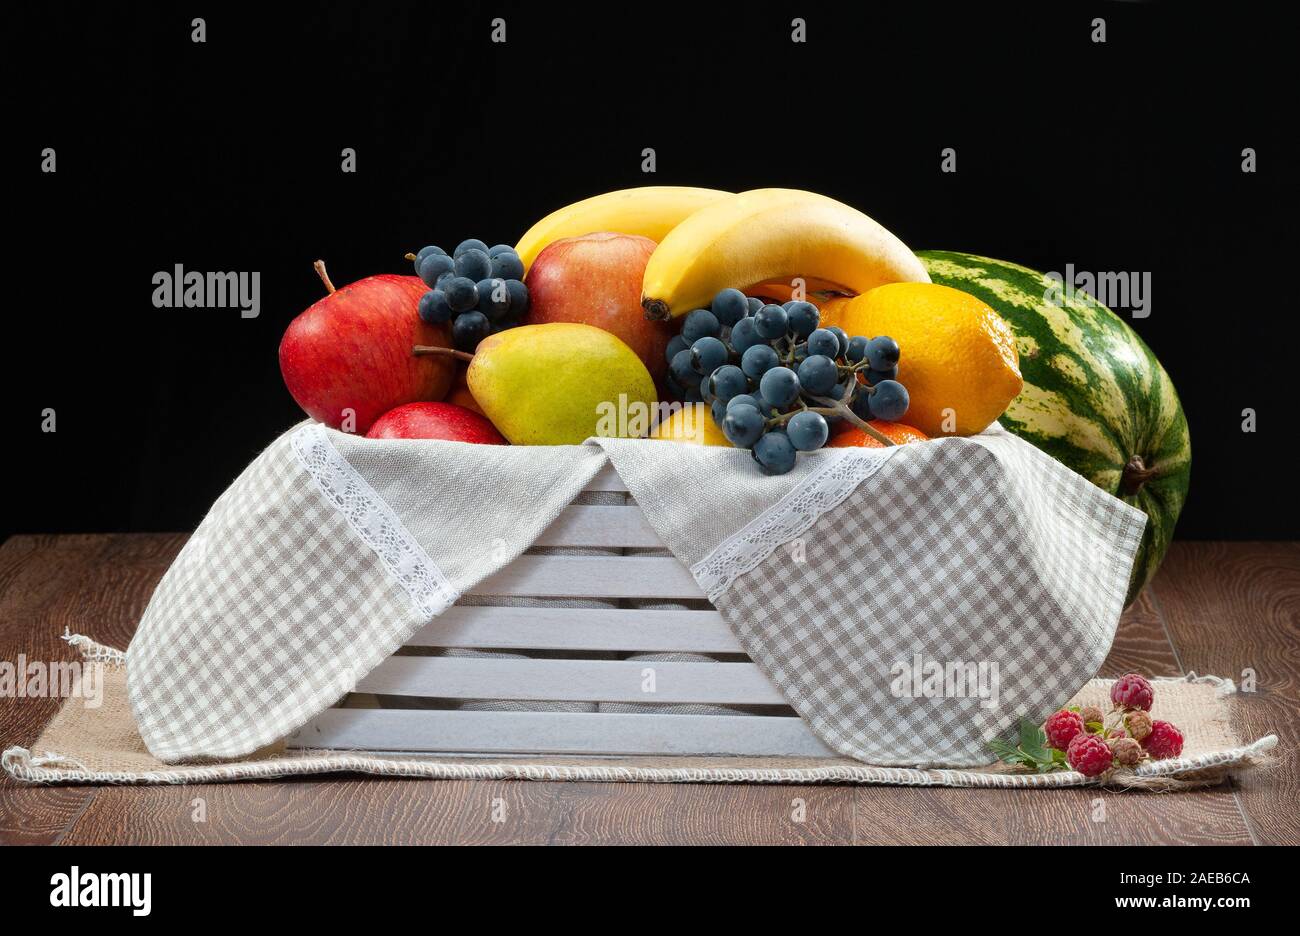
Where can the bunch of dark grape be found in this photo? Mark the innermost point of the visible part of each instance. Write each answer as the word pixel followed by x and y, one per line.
pixel 775 381
pixel 479 289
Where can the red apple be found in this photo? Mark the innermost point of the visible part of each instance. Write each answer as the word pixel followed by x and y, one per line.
pixel 435 421
pixel 350 353
pixel 595 279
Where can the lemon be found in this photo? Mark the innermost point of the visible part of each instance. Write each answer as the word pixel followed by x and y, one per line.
pixel 692 423
pixel 958 357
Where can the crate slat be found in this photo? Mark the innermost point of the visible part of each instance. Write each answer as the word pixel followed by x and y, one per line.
pixel 583 525
pixel 578 629
pixel 570 680
pixel 558 733
pixel 592 577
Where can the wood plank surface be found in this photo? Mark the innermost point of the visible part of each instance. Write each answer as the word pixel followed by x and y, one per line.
pixel 578 629
pixel 1226 606
pixel 1233 610
pixel 571 680
pixel 475 732
pixel 592 577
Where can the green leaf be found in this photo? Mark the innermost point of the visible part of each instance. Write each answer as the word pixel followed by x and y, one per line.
pixel 1006 752
pixel 1093 726
pixel 1032 740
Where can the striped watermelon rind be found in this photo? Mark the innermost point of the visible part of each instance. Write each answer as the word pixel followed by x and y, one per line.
pixel 1095 396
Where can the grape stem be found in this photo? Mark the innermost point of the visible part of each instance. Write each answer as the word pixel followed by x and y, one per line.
pixel 841 409
pixel 409 256
pixel 434 349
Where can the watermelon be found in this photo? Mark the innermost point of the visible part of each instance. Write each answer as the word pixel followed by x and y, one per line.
pixel 1095 397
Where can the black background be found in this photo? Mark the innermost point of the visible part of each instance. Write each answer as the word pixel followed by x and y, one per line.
pixel 226 156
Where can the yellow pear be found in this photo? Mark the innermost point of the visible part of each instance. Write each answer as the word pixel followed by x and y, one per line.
pixel 692 423
pixel 560 383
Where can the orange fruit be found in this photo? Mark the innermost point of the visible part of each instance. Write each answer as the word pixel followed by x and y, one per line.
pixel 692 423
pixel 459 392
pixel 898 433
pixel 959 361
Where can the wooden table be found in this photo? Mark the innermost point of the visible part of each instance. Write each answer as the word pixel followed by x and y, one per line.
pixel 1216 608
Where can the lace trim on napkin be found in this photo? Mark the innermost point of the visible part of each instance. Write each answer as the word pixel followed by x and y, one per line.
pixel 788 518
pixel 373 520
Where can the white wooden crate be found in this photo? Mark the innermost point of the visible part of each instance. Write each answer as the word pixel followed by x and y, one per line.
pixel 413 677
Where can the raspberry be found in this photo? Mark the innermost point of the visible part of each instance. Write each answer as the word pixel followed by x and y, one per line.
pixel 1132 691
pixel 1138 724
pixel 1126 751
pixel 1090 713
pixel 1089 755
pixel 1062 727
pixel 1164 741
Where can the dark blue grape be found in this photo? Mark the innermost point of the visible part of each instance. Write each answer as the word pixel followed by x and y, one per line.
pixel 874 376
pixel 882 353
pixel 744 335
pixel 518 298
pixel 472 243
pixel 493 298
pixel 507 266
pixel 807 431
pixel 718 410
pixel 748 399
pixel 824 341
pixel 779 386
pixel 433 266
pixel 431 249
pixel 774 453
pixel 843 336
pixel 754 304
pixel 434 308
pixel 803 317
pixel 706 392
pixel 462 293
pixel 692 393
pixel 700 324
pixel 742 425
pixel 890 401
pixel 861 404
pixel 707 355
pixel 857 350
pixel 728 381
pixel 682 370
pixel 675 344
pixel 469 329
pixel 500 249
pixel 758 360
pixel 818 374
pixel 771 322
pixel 473 264
pixel 729 306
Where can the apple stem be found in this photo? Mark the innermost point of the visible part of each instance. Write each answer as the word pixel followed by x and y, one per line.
pixel 433 349
pixel 319 267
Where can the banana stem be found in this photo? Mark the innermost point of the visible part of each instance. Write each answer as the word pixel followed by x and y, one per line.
pixel 434 349
pixel 656 310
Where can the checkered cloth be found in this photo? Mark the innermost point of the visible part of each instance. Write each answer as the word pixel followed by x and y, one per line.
pixel 910 603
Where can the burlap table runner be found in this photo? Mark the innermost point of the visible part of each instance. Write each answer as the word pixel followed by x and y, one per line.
pixel 102 745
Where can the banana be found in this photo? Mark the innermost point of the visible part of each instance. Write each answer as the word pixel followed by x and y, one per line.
pixel 651 211
pixel 772 234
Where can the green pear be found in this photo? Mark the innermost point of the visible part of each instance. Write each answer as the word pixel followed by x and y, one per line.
pixel 560 383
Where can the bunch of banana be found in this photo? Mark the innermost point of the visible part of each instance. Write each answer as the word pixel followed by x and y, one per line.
pixel 772 235
pixel 651 211
pixel 710 240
